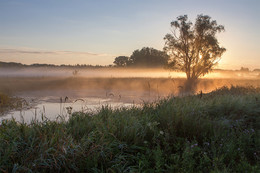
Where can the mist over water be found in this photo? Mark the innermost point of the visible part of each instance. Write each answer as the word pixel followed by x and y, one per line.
pixel 99 72
pixel 40 86
pixel 88 73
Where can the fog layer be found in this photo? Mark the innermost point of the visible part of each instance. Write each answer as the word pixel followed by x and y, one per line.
pixel 120 84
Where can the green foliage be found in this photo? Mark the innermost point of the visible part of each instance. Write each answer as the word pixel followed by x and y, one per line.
pixel 8 103
pixel 218 132
pixel 148 57
pixel 19 65
pixel 121 61
pixel 145 57
pixel 194 48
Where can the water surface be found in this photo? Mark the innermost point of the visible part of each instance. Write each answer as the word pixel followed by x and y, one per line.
pixel 49 108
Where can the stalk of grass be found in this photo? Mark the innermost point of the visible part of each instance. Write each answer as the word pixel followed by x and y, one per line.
pixel 215 133
pixel 8 103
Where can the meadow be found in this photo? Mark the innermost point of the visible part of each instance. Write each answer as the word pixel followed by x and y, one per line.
pixel 214 128
pixel 214 132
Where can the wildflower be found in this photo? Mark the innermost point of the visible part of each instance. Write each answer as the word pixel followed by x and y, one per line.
pixel 161 132
pixel 207 143
pixel 246 131
pixel 194 145
pixel 145 142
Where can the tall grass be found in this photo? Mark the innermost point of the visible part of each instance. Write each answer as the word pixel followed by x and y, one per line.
pixel 8 103
pixel 218 132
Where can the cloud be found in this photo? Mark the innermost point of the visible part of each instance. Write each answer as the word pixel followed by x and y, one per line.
pixel 29 56
pixel 44 52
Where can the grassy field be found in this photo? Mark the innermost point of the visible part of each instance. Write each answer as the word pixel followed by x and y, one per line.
pixel 215 132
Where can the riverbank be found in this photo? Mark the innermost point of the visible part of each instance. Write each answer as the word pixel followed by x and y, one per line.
pixel 9 103
pixel 216 132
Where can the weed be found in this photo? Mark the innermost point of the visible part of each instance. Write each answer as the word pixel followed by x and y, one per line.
pixel 8 103
pixel 218 132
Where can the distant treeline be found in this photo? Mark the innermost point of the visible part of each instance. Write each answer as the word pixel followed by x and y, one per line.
pixel 20 65
pixel 82 66
pixel 146 57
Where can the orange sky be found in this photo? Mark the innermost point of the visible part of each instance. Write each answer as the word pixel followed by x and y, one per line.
pixel 95 32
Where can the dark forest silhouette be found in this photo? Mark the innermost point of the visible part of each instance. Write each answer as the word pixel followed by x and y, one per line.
pixel 145 57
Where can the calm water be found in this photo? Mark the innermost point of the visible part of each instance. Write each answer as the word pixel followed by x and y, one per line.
pixel 42 89
pixel 49 109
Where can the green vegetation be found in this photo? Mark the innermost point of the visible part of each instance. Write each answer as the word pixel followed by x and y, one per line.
pixel 194 48
pixel 8 103
pixel 20 65
pixel 215 132
pixel 147 57
pixel 121 61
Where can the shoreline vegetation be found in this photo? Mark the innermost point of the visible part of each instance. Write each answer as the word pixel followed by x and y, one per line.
pixel 213 132
pixel 9 103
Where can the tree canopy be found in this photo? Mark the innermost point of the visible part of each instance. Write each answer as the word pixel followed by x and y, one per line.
pixel 145 57
pixel 194 48
pixel 121 61
pixel 148 57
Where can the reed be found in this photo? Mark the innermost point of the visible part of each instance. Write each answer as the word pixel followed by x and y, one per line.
pixel 218 132
pixel 8 103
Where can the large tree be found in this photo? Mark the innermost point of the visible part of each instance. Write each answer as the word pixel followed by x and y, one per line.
pixel 194 48
pixel 121 61
pixel 148 57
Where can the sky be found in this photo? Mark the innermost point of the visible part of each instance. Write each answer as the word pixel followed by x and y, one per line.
pixel 96 31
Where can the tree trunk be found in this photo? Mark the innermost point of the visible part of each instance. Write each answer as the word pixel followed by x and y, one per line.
pixel 190 86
